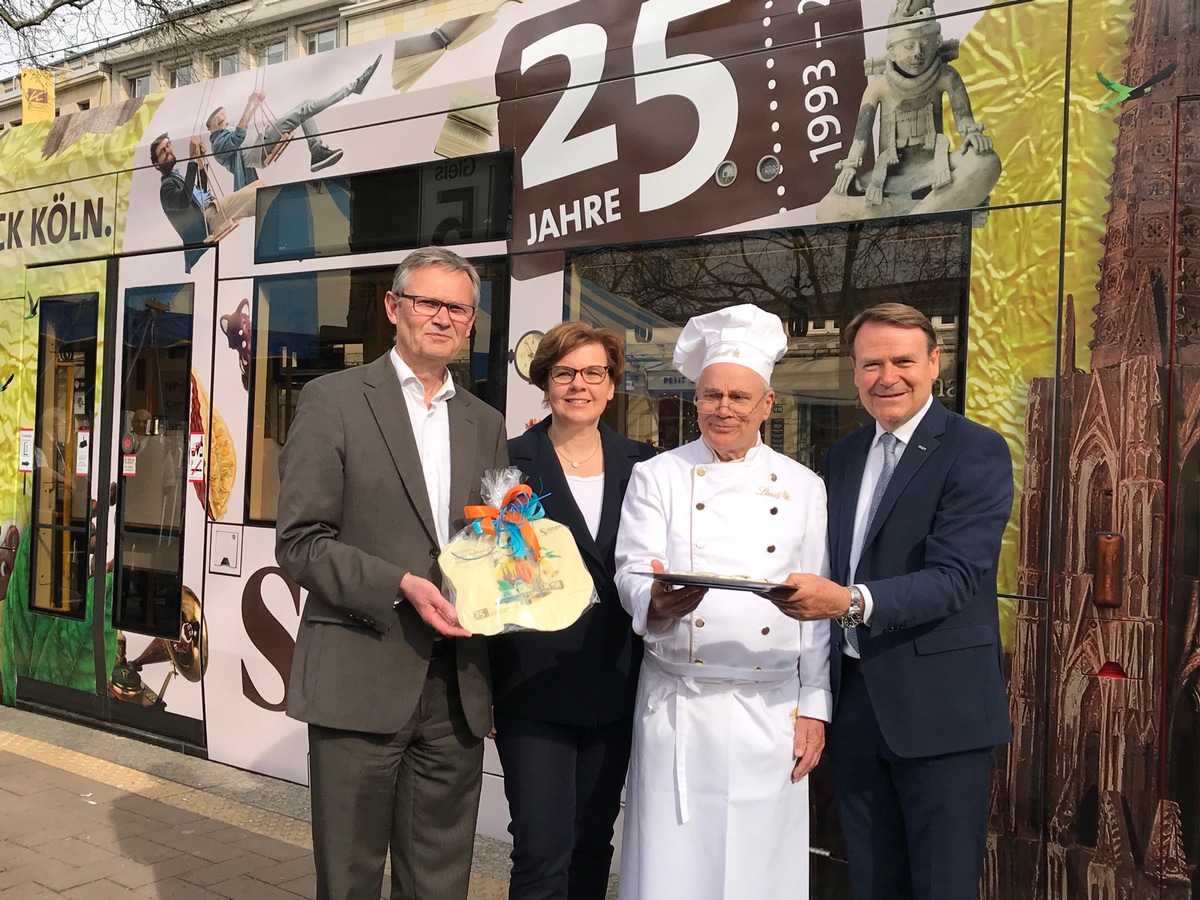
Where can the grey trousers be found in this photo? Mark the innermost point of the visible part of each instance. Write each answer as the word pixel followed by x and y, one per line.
pixel 299 116
pixel 415 791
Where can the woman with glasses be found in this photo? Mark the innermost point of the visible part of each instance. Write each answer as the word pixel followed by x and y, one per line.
pixel 563 701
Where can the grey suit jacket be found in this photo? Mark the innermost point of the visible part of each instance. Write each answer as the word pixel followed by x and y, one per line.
pixel 354 517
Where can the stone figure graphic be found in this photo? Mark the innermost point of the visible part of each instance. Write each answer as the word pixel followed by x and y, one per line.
pixel 915 169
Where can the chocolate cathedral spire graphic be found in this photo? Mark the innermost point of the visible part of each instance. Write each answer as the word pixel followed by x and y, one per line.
pixel 1111 766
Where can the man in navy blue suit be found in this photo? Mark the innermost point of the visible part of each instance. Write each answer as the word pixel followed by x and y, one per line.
pixel 918 502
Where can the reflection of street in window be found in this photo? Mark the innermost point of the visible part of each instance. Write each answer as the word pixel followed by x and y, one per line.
pixel 640 290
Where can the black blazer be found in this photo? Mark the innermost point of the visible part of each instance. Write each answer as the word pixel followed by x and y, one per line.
pixel 585 674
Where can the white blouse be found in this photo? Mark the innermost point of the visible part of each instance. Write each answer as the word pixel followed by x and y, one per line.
pixel 589 497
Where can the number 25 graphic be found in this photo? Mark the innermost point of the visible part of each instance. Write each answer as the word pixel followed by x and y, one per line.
pixel 709 88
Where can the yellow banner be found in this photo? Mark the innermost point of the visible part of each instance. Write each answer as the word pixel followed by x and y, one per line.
pixel 37 95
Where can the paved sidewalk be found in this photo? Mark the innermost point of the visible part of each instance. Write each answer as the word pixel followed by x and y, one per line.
pixel 89 815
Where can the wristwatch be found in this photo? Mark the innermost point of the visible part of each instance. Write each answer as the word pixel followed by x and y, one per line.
pixel 853 617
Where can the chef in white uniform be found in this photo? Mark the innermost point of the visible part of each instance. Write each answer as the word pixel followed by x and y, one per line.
pixel 734 695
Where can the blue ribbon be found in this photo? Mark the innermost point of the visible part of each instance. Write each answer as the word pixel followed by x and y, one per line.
pixel 508 532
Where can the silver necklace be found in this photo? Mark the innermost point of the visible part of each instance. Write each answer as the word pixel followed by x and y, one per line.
pixel 574 464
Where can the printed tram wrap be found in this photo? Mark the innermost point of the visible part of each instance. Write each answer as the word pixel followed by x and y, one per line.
pixel 1025 173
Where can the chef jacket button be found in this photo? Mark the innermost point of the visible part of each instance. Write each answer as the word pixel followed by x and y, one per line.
pixel 698 662
pixel 771 548
pixel 766 630
pixel 774 477
pixel 699 623
pixel 699 506
pixel 699 545
pixel 774 510
pixel 758 668
pixel 700 471
pixel 433 552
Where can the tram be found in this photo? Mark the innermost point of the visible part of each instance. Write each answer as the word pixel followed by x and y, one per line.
pixel 175 268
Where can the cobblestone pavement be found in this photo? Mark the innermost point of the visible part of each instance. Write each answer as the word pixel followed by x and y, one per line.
pixel 89 815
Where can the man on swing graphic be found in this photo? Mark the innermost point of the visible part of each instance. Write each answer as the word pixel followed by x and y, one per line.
pixel 197 212
pixel 228 142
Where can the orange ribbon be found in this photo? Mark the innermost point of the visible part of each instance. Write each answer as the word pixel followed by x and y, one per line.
pixel 513 519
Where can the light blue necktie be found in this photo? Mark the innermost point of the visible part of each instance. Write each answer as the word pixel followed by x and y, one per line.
pixel 889 442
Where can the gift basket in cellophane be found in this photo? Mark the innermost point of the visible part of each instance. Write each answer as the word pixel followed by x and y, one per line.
pixel 511 568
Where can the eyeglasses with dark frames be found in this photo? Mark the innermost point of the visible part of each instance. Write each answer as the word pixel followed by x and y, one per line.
pixel 429 307
pixel 591 374
pixel 739 406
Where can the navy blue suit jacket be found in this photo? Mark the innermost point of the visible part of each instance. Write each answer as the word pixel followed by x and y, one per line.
pixel 584 675
pixel 931 654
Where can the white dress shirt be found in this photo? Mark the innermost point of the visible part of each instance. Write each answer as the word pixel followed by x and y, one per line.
pixel 866 490
pixel 431 430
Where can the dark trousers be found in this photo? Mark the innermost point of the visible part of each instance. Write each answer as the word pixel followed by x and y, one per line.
pixel 563 784
pixel 915 829
pixel 416 791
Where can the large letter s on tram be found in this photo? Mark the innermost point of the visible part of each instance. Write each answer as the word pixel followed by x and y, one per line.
pixel 266 633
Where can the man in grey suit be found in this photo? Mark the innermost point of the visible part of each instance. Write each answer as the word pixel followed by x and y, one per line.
pixel 378 465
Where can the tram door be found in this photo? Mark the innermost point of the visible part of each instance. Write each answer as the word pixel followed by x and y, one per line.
pixel 114 633
pixel 55 647
pixel 159 444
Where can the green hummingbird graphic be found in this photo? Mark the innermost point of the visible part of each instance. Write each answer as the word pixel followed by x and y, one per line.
pixel 1124 93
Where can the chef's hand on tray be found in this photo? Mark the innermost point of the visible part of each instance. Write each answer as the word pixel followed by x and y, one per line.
pixel 671 602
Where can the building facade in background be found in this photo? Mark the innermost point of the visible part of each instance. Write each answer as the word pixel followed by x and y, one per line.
pixel 240 35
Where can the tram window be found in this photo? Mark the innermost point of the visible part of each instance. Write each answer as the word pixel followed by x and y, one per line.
pixel 156 395
pixel 817 277
pixel 311 324
pixel 452 201
pixel 59 576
